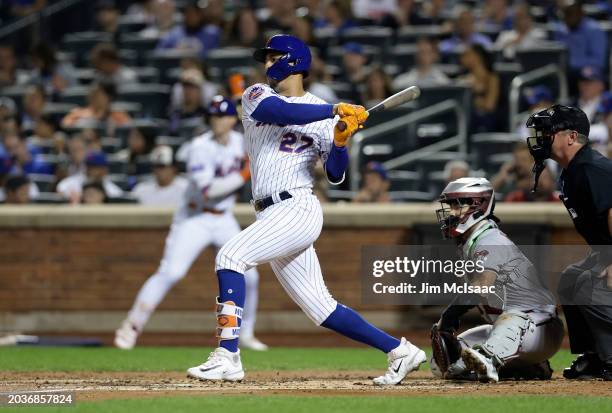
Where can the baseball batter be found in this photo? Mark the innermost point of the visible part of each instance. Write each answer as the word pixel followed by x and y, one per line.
pixel 527 331
pixel 204 218
pixel 286 131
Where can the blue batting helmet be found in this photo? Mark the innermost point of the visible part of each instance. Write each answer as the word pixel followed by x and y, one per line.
pixel 296 56
pixel 221 106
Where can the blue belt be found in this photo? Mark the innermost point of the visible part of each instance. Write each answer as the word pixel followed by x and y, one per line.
pixel 264 203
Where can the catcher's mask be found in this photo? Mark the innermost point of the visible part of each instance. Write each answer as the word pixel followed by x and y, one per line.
pixel 464 202
pixel 544 125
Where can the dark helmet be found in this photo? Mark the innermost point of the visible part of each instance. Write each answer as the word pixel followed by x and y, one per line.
pixel 547 122
pixel 296 56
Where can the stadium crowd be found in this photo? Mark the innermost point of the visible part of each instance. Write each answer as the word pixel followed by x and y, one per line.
pixel 107 115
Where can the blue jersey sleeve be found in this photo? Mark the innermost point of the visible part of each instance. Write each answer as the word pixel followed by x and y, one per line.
pixel 275 110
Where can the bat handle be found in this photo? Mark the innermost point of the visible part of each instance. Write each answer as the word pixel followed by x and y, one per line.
pixel 341 125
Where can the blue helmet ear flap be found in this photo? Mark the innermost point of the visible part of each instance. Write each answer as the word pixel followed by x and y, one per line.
pixel 296 56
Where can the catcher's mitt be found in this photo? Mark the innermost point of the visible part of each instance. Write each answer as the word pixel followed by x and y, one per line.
pixel 445 348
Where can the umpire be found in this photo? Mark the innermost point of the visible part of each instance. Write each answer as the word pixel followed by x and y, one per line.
pixel 561 133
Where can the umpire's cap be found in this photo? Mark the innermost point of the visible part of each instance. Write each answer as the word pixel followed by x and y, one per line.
pixel 559 117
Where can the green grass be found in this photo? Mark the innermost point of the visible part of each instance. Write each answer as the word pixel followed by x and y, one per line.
pixel 180 358
pixel 267 404
pixel 337 359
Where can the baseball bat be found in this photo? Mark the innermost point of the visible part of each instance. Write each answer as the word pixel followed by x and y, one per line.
pixel 401 97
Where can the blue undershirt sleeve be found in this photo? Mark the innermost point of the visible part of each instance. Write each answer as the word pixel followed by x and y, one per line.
pixel 275 110
pixel 336 164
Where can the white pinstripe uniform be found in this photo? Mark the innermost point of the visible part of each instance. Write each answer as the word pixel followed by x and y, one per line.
pixel 283 158
pixel 193 229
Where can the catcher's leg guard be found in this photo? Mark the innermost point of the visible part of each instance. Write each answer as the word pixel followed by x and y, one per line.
pixel 506 337
pixel 229 318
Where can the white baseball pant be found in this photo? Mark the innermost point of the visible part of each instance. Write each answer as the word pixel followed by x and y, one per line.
pixel 187 238
pixel 283 235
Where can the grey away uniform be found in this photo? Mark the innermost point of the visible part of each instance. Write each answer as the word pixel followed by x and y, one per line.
pixel 528 330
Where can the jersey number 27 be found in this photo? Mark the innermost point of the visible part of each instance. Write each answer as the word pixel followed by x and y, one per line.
pixel 289 140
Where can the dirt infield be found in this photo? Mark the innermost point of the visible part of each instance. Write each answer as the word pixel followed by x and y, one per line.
pixel 102 386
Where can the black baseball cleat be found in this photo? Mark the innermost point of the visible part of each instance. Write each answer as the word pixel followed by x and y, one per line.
pixel 587 366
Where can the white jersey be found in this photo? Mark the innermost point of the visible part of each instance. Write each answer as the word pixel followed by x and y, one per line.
pixel 283 157
pixel 150 193
pixel 208 159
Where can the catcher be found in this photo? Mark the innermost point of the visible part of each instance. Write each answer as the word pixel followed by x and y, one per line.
pixel 526 330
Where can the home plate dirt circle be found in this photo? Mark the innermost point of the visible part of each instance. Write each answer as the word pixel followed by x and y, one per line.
pixel 111 385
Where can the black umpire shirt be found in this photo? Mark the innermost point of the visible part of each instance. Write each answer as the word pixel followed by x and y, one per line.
pixel 586 192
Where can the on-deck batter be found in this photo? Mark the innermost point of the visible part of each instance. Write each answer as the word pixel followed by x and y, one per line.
pixel 215 172
pixel 286 131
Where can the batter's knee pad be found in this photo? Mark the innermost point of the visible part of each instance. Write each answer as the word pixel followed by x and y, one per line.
pixel 504 341
pixel 229 318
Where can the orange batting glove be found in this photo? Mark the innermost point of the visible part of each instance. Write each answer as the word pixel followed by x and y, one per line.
pixel 343 133
pixel 346 109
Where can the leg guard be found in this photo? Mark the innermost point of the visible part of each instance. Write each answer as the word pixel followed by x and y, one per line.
pixel 229 318
pixel 504 341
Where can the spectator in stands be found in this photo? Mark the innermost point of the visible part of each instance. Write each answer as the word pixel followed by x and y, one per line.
pixel 74 162
pixel 425 73
pixel 281 16
pixel 93 193
pixel 405 14
pixel 601 130
pixel 9 126
pixel 375 185
pixel 434 13
pixel 354 62
pixel 141 142
pixel 316 82
pixel 163 23
pixel 166 189
pixel 8 111
pixel 107 18
pixel 23 8
pixel 34 101
pixel 47 71
pixel 372 10
pixel 586 42
pixel 538 97
pixel 17 190
pixel 377 87
pixel 456 169
pixel 9 74
pixel 47 137
pixel 191 107
pixel 464 35
pixel 245 30
pixel 522 34
pixel 516 181
pixel 193 35
pixel 142 10
pixel 96 169
pixel 98 109
pixel 337 16
pixel 303 29
pixel 496 16
pixel 209 89
pixel 109 69
pixel 591 87
pixel 484 83
pixel 25 160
